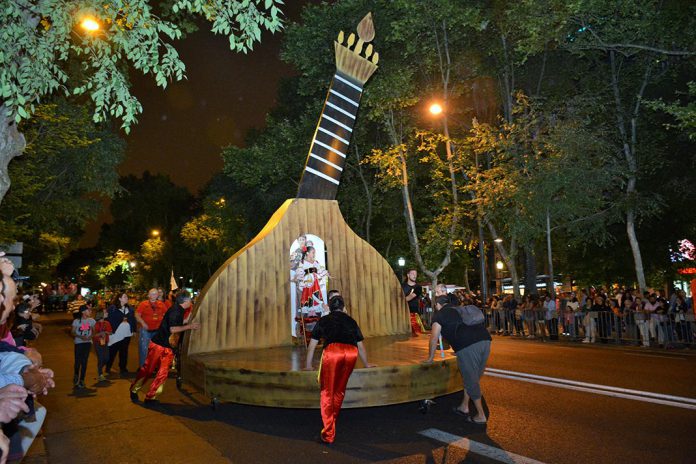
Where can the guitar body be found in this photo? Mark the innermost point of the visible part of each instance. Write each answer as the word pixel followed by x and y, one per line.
pixel 247 302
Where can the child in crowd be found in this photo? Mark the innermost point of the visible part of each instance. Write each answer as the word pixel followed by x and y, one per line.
pixel 23 329
pixel 82 330
pixel 102 330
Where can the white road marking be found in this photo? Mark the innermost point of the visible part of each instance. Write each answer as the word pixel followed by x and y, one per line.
pixel 656 356
pixel 616 392
pixel 476 447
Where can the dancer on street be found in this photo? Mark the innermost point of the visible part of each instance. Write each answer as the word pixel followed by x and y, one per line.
pixel 342 346
pixel 160 353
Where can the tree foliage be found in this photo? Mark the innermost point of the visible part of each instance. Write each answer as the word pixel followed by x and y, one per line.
pixel 38 39
pixel 69 166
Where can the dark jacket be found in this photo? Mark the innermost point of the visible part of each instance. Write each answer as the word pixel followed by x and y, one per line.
pixel 115 317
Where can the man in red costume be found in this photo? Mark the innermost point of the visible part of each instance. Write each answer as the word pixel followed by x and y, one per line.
pixel 149 314
pixel 160 352
pixel 342 346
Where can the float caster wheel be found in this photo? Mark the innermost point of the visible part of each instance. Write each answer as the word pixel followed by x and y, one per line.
pixel 215 403
pixel 425 406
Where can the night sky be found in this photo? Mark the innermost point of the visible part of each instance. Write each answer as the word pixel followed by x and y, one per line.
pixel 183 128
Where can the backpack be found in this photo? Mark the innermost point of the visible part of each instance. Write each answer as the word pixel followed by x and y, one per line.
pixel 470 314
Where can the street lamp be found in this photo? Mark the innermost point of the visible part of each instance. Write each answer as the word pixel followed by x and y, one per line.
pixel 499 265
pixel 402 263
pixel 436 109
pixel 155 233
pixel 132 264
pixel 89 24
pixel 498 240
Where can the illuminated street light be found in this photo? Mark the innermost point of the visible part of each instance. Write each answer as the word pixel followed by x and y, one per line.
pixel 435 109
pixel 499 265
pixel 89 24
pixel 498 240
pixel 402 263
pixel 155 233
pixel 132 264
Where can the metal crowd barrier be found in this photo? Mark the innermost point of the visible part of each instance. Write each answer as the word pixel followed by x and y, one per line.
pixel 671 330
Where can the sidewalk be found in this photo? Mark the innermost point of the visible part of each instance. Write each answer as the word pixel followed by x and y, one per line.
pixel 100 423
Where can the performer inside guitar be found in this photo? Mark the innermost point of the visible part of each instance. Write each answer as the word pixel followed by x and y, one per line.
pixel 311 277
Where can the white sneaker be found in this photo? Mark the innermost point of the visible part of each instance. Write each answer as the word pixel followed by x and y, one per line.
pixel 586 340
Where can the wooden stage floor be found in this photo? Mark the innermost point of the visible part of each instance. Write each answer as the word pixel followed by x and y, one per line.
pixel 274 376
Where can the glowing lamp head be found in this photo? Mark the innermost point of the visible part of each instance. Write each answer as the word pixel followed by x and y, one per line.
pixel 435 109
pixel 89 24
pixel 499 265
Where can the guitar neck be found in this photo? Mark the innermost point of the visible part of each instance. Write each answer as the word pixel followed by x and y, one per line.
pixel 329 148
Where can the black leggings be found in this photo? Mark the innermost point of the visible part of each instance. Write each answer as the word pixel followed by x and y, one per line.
pixel 122 349
pixel 81 356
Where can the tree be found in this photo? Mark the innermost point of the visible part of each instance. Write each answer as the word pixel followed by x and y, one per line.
pixel 68 168
pixel 118 269
pixel 685 115
pixel 630 42
pixel 144 205
pixel 41 45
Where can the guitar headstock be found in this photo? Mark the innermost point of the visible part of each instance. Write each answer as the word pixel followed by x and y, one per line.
pixel 353 57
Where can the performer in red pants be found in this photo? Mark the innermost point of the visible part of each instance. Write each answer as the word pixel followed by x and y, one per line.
pixel 342 346
pixel 160 353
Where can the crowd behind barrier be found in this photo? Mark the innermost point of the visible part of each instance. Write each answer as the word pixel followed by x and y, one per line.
pixel 624 317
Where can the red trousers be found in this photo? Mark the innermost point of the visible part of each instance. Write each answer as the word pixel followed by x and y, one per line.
pixel 337 363
pixel 416 324
pixel 159 359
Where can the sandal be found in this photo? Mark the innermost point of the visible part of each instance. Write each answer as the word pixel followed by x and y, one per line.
pixel 459 412
pixel 477 422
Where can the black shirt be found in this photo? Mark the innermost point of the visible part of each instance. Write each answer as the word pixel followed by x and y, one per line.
pixel 337 327
pixel 458 334
pixel 172 318
pixel 413 304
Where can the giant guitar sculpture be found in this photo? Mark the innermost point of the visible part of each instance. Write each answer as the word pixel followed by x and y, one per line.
pixel 244 349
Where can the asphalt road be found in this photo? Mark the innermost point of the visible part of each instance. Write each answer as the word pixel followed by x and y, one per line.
pixel 529 422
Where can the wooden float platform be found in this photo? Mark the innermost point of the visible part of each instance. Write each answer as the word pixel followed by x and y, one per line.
pixel 274 376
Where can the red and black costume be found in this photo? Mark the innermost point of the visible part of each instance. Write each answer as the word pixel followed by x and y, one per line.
pixel 160 355
pixel 341 335
pixel 414 306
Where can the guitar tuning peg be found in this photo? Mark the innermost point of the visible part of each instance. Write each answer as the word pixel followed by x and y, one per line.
pixel 358 47
pixel 368 51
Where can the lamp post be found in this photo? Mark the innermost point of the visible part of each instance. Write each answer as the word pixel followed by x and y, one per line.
pixel 402 263
pixel 439 110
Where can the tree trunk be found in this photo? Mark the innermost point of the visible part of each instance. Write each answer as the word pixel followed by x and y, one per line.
pixel 530 270
pixel 629 145
pixel 12 144
pixel 508 258
pixel 482 255
pixel 551 288
pixel 633 240
pixel 466 278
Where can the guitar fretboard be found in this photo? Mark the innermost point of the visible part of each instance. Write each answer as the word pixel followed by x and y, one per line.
pixel 327 154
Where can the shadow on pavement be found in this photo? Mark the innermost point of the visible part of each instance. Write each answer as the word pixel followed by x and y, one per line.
pixel 363 434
